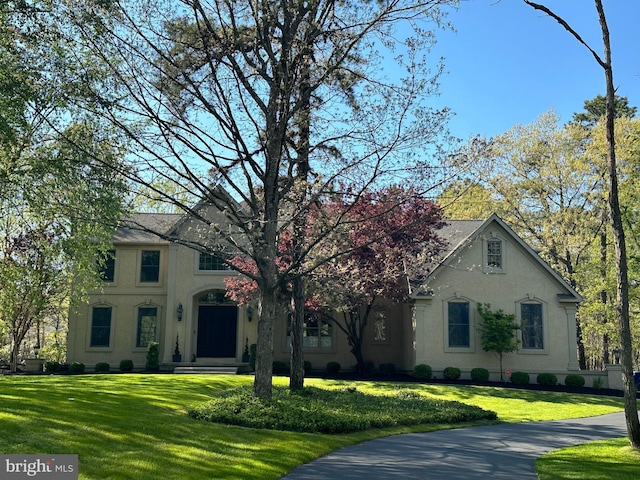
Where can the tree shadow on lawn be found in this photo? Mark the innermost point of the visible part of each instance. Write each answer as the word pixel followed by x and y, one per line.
pixel 141 432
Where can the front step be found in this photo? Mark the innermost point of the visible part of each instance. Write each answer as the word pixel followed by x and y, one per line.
pixel 206 369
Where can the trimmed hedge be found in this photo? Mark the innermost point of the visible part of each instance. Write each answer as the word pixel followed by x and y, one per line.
pixel 333 367
pixel 307 366
pixel 52 367
pixel 574 380
pixel 387 368
pixel 153 357
pixel 548 379
pixel 520 378
pixel 102 367
pixel 280 368
pixel 452 373
pixel 422 371
pixel 480 375
pixel 126 365
pixel 76 367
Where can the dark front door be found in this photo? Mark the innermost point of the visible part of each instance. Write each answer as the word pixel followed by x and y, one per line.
pixel 217 327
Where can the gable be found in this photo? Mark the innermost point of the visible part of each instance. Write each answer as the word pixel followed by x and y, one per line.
pixel 469 255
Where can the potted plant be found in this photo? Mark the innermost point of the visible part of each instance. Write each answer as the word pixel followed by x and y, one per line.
pixel 177 357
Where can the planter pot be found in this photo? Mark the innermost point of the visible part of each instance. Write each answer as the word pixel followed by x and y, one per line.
pixel 33 365
pixel 177 358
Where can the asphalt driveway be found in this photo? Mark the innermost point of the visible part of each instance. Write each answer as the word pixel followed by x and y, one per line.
pixel 494 452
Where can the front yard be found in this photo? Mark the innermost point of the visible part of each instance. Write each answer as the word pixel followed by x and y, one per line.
pixel 136 426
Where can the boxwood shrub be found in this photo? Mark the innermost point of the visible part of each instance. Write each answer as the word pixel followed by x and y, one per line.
pixel 52 367
pixel 280 368
pixel 480 375
pixel 102 367
pixel 574 380
pixel 333 367
pixel 126 365
pixel 520 378
pixel 387 368
pixel 548 379
pixel 452 373
pixel 422 371
pixel 76 367
pixel 307 366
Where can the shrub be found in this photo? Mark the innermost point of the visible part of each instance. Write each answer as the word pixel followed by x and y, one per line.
pixel 280 368
pixel 51 367
pixel 153 357
pixel 126 365
pixel 422 371
pixel 307 366
pixel 334 411
pixel 520 378
pixel 480 375
pixel 102 367
pixel 333 367
pixel 252 355
pixel 548 379
pixel 452 373
pixel 76 367
pixel 387 368
pixel 598 383
pixel 574 380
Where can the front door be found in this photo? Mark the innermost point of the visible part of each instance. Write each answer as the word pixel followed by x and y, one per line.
pixel 217 329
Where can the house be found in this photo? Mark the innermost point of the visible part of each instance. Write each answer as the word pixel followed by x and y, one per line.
pixel 155 289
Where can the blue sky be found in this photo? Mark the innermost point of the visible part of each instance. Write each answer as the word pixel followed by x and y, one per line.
pixel 508 63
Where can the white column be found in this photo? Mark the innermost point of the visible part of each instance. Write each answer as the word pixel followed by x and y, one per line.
pixel 572 338
pixel 171 321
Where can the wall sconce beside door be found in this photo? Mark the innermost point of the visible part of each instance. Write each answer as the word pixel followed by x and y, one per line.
pixel 249 313
pixel 179 311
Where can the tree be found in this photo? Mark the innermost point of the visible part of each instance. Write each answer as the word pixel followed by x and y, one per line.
pixel 387 249
pixel 237 95
pixel 497 332
pixel 59 204
pixel 596 110
pixel 622 282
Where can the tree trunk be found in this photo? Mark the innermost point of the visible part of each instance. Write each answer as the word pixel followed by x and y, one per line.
pixel 622 307
pixel 604 296
pixel 267 310
pixel 296 379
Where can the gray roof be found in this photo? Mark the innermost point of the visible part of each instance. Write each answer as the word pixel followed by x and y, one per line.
pixel 139 227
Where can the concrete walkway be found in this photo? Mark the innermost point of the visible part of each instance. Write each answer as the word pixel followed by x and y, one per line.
pixel 506 451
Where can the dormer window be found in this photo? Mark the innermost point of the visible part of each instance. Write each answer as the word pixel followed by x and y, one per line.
pixel 494 253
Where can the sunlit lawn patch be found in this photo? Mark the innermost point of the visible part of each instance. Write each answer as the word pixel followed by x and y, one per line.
pixel 136 426
pixel 603 460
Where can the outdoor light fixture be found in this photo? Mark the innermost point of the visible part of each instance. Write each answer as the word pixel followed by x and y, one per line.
pixel 616 355
pixel 249 313
pixel 179 312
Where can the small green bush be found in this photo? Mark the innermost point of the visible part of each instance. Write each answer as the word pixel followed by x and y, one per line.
pixel 76 367
pixel 153 357
pixel 52 367
pixel 422 371
pixel 520 378
pixel 333 367
pixel 252 355
pixel 280 368
pixel 452 373
pixel 126 365
pixel 574 380
pixel 307 366
pixel 598 383
pixel 387 368
pixel 548 379
pixel 102 367
pixel 480 375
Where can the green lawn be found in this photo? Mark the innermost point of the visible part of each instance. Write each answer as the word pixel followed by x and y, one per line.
pixel 135 426
pixel 603 460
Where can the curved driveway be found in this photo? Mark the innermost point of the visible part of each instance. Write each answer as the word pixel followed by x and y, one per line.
pixel 505 451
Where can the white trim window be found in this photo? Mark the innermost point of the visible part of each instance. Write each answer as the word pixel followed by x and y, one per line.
pixel 494 254
pixel 458 324
pixel 211 262
pixel 146 325
pixel 532 326
pixel 100 336
pixel 316 332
